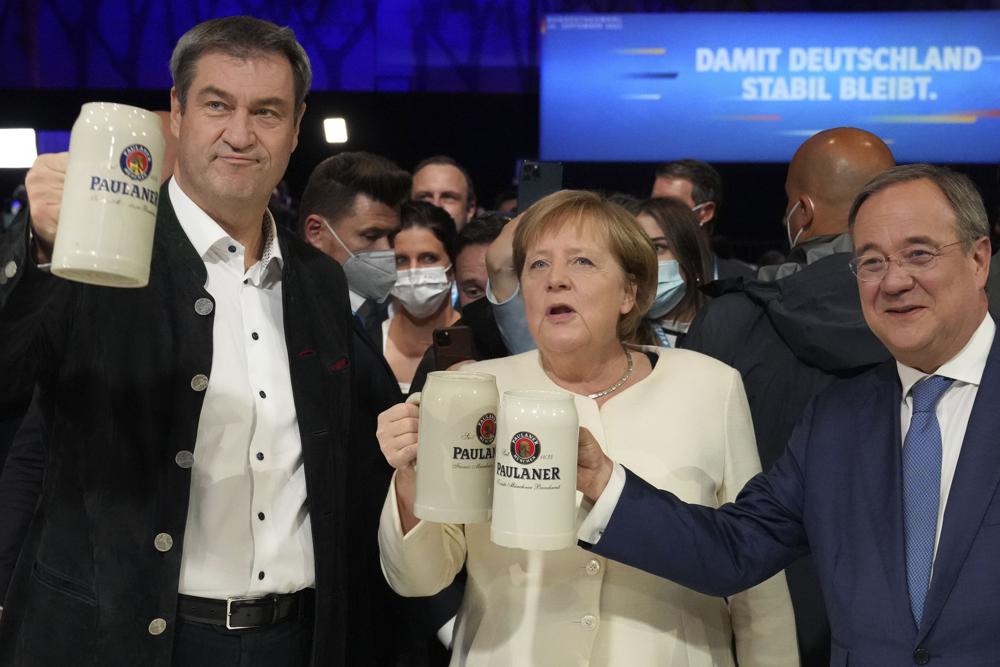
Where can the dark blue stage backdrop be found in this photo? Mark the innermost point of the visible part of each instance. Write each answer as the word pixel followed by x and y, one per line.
pixel 751 87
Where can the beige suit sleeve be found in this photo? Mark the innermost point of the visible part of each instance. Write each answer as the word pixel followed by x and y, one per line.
pixel 425 560
pixel 762 617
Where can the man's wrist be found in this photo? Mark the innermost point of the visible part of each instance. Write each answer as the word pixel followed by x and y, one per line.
pixel 40 251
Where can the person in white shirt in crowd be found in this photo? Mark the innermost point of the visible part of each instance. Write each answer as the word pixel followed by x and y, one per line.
pixel 588 274
pixel 421 298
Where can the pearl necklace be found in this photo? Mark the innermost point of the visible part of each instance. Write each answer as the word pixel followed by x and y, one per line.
pixel 617 385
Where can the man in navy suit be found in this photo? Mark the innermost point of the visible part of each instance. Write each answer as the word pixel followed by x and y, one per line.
pixel 890 478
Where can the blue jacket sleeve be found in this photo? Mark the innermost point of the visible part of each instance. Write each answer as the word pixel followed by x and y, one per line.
pixel 720 551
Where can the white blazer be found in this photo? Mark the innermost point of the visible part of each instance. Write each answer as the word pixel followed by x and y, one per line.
pixel 686 427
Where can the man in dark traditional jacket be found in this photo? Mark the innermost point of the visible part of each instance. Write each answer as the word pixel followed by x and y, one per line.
pixel 205 488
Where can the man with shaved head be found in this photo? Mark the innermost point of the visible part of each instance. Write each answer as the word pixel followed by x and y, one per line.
pixel 825 175
pixel 799 326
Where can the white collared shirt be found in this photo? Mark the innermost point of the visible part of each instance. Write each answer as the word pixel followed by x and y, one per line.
pixel 248 530
pixel 356 300
pixel 955 407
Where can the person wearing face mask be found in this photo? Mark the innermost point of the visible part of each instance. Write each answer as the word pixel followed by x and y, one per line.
pixel 425 256
pixel 683 262
pixel 349 208
pixel 799 326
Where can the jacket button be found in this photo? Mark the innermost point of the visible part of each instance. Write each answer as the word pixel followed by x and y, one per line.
pixel 184 459
pixel 157 626
pixel 921 656
pixel 204 306
pixel 589 621
pixel 199 382
pixel 163 542
pixel 10 269
pixel 593 567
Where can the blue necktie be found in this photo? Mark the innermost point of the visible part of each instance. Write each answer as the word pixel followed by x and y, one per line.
pixel 922 488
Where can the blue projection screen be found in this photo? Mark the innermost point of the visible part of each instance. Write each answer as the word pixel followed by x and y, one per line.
pixel 751 87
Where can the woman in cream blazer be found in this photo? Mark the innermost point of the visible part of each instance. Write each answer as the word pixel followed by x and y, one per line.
pixel 680 420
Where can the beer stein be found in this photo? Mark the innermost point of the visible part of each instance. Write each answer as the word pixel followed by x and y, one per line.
pixel 456 452
pixel 534 485
pixel 105 233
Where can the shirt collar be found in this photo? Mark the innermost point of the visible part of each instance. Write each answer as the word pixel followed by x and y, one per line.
pixel 356 300
pixel 208 237
pixel 965 367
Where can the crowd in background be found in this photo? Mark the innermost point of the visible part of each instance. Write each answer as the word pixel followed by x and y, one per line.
pixel 419 255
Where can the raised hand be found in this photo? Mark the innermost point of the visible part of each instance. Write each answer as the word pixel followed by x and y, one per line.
pixel 44 185
pixel 397 438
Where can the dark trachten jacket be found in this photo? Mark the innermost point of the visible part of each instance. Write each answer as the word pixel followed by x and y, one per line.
pixel 789 339
pixel 122 397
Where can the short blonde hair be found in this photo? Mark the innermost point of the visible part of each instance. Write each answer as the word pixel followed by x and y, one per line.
pixel 628 244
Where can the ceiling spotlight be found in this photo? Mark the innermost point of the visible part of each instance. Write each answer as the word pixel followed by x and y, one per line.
pixel 17 148
pixel 335 130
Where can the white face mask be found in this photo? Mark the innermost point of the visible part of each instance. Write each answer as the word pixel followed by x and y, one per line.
pixel 422 291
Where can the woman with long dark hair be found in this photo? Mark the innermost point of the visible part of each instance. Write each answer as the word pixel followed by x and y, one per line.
pixel 684 260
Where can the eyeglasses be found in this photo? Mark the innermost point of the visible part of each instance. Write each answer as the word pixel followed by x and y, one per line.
pixel 872 268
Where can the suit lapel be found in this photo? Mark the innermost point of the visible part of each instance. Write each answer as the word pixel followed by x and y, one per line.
pixel 972 490
pixel 881 462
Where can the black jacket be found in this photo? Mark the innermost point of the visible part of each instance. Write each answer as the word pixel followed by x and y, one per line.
pixel 115 367
pixel 788 339
pixel 733 268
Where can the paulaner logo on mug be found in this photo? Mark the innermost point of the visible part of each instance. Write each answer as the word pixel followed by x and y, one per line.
pixel 136 162
pixel 486 429
pixel 112 189
pixel 525 448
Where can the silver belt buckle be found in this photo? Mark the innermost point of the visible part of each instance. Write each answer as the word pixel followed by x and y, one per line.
pixel 229 612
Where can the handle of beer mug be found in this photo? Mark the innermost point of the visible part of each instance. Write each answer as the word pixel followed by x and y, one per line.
pixel 414 399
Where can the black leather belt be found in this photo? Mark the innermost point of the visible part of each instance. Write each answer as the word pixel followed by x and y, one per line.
pixel 241 613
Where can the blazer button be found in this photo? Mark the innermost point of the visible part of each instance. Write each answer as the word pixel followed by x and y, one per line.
pixel 157 626
pixel 199 382
pixel 589 621
pixel 593 567
pixel 10 269
pixel 921 656
pixel 184 459
pixel 204 306
pixel 163 542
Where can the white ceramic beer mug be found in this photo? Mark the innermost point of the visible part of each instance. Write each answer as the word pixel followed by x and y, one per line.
pixel 105 233
pixel 457 431
pixel 534 485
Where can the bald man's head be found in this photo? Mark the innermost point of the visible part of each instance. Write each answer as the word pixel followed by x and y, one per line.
pixel 825 175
